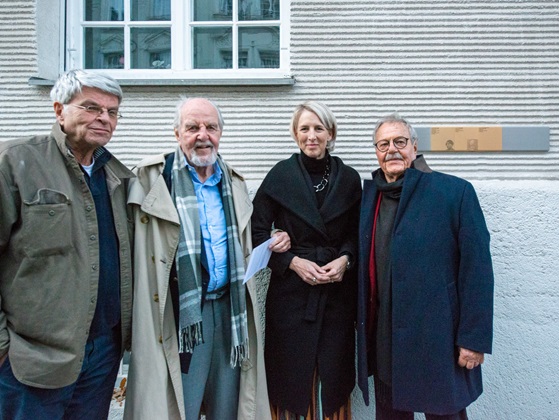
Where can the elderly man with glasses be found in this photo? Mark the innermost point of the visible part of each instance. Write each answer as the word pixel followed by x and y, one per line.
pixel 65 259
pixel 425 284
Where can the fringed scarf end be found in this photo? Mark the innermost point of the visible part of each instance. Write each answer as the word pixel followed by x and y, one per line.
pixel 190 337
pixel 239 354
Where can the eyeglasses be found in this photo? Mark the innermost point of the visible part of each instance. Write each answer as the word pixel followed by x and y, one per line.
pixel 384 145
pixel 98 110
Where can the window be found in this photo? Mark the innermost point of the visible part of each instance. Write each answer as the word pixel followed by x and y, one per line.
pixel 176 39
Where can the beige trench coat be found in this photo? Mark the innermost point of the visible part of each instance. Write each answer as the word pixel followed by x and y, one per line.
pixel 154 388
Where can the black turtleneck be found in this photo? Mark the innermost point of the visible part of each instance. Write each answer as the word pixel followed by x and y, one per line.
pixel 316 169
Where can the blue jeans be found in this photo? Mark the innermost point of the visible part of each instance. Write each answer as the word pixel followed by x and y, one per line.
pixel 87 398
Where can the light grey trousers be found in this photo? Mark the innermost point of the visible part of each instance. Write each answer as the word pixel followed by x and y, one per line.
pixel 211 379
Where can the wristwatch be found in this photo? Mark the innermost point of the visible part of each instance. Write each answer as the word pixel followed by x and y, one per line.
pixel 348 265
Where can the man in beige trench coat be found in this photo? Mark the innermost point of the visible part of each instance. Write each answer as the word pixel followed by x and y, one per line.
pixel 170 236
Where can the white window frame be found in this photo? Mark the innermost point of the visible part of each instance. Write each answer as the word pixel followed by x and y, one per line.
pixel 181 32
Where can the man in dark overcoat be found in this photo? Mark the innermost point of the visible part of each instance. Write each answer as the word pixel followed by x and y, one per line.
pixel 425 311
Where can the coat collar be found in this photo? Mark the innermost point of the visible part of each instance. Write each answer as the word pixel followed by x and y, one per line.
pixel 155 199
pixel 411 178
pixel 288 186
pixel 150 191
pixel 119 170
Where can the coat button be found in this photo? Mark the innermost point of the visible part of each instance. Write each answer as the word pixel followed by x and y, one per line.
pixel 51 212
pixel 144 219
pixel 160 339
pixel 156 297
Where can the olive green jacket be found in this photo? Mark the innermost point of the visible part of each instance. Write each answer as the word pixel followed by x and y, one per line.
pixel 49 257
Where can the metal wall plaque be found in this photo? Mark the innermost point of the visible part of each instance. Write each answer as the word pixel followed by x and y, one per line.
pixel 483 138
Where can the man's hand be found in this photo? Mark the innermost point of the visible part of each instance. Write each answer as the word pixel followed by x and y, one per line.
pixel 469 358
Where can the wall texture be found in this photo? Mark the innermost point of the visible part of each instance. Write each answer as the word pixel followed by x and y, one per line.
pixel 436 62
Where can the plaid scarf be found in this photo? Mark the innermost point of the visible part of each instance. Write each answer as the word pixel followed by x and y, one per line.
pixel 189 267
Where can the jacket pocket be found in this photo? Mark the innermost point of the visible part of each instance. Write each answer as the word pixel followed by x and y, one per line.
pixel 47 224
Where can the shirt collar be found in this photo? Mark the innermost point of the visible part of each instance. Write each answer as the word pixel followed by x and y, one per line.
pixel 212 180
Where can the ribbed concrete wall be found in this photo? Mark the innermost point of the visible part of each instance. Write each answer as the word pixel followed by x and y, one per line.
pixel 436 62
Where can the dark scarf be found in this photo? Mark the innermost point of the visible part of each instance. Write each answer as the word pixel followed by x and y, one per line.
pixel 394 189
pixel 389 189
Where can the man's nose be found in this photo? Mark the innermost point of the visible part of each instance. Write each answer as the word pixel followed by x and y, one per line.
pixel 203 131
pixel 104 115
pixel 391 147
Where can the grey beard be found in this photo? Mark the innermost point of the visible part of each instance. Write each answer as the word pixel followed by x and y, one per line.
pixel 202 162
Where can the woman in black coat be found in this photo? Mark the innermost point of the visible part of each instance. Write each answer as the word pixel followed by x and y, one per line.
pixel 311 300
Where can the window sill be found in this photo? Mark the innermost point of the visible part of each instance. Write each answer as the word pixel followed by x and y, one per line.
pixel 272 81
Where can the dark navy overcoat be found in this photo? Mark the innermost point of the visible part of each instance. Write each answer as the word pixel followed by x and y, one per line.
pixel 442 292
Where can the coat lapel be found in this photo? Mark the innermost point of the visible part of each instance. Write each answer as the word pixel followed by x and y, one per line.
pixel 159 203
pixel 340 197
pixel 291 191
pixel 412 177
pixel 368 203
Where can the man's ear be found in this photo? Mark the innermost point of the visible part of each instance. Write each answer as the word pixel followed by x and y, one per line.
pixel 58 111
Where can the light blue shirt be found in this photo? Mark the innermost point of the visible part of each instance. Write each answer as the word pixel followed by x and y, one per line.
pixel 212 224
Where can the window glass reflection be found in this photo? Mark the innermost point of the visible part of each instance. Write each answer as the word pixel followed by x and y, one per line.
pixel 150 10
pixel 259 9
pixel 104 48
pixel 212 10
pixel 150 48
pixel 212 48
pixel 104 10
pixel 260 46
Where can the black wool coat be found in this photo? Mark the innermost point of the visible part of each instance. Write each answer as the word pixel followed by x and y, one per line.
pixel 309 327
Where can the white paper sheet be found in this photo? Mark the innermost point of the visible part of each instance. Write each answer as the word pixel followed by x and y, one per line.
pixel 258 259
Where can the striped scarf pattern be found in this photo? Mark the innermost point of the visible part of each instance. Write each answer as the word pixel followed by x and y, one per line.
pixel 188 263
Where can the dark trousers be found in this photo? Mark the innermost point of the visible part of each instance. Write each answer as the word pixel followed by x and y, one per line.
pixel 385 410
pixel 87 398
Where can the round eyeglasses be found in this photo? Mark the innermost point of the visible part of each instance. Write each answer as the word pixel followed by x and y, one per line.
pixel 398 142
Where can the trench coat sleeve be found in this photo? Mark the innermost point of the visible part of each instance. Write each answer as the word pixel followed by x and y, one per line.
pixel 475 277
